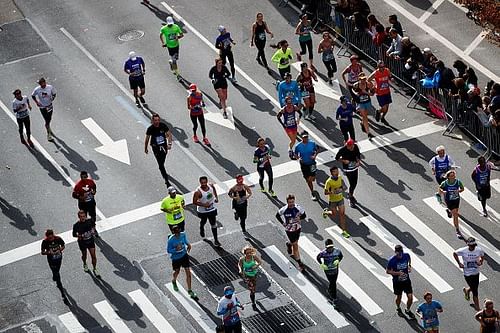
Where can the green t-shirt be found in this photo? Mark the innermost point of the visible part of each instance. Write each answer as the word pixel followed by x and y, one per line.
pixel 170 33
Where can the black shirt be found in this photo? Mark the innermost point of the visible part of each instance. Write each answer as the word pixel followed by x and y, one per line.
pixel 351 155
pixel 85 230
pixel 54 245
pixel 158 135
pixel 217 76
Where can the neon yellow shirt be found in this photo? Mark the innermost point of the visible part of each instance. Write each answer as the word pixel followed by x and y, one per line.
pixel 282 58
pixel 170 34
pixel 334 186
pixel 176 214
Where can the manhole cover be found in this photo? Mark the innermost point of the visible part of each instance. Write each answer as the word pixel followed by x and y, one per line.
pixel 219 271
pixel 284 319
pixel 131 35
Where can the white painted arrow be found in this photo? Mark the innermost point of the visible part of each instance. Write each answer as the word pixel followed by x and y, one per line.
pixel 117 150
pixel 214 114
pixel 323 88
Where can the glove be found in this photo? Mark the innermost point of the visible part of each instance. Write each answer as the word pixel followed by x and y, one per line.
pixel 323 267
pixel 336 263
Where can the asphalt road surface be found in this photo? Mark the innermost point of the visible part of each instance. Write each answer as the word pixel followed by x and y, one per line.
pixel 79 47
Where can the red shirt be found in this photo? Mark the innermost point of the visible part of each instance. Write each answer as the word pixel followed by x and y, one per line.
pixel 382 80
pixel 195 104
pixel 84 190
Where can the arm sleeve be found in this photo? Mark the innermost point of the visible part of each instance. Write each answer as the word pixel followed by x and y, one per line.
pixel 276 58
pixel 341 256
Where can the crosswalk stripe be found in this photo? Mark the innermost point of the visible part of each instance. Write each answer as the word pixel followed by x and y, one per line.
pixel 364 259
pixel 414 222
pixel 151 312
pixel 111 317
pixel 421 267
pixel 194 310
pixel 306 287
pixel 495 184
pixel 72 324
pixel 467 231
pixel 344 280
pixel 471 199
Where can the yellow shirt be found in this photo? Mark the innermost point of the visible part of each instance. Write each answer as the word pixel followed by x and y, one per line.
pixel 335 187
pixel 176 214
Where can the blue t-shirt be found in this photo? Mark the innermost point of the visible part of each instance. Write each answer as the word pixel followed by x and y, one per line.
pixel 399 265
pixel 289 89
pixel 345 115
pixel 305 151
pixel 429 314
pixel 134 66
pixel 173 244
pixel 223 41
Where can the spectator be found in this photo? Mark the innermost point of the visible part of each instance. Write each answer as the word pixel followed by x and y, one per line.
pixel 428 63
pixel 495 120
pixel 343 8
pixel 460 66
pixel 446 77
pixel 458 89
pixel 406 46
pixel 393 20
pixel 487 88
pixel 483 112
pixel 495 98
pixel 372 25
pixel 474 102
pixel 380 36
pixel 470 77
pixel 360 21
pixel 395 49
pixel 360 6
pixel 412 62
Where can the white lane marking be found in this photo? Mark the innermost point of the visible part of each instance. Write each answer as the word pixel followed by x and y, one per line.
pixel 471 199
pixel 117 150
pixel 321 87
pixel 420 266
pixel 47 156
pixel 72 324
pixel 344 280
pixel 132 98
pixel 466 230
pixel 431 10
pixel 154 316
pixel 495 184
pixel 416 224
pixel 352 248
pixel 306 287
pixel 279 170
pixel 273 100
pixel 472 46
pixel 443 40
pixel 193 308
pixel 26 58
pixel 111 317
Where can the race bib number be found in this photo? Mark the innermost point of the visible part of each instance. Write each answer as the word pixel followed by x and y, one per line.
pixel 284 61
pixel 384 85
pixel 177 216
pixel 160 140
pixel 328 56
pixel 364 98
pixel 313 168
pixel 262 36
pixel 351 165
pixel 305 94
pixel 49 108
pixel 172 36
pixel 57 256
pixel 88 196
pixel 471 264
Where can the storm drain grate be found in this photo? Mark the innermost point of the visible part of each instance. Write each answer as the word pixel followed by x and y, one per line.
pixel 127 36
pixel 284 319
pixel 219 271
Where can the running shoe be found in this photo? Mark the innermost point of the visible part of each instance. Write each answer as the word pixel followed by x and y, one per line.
pixel 96 273
pixel 466 294
pixel 306 117
pixel 32 145
pixel 195 139
pixel 174 285
pixel 23 141
pixel 259 61
pixel 370 136
pixel 399 311
pixel 345 234
pixel 330 82
pixel 217 243
pixel 448 212
pixel 409 313
pixel 143 101
pixel 459 235
pixel 192 294
pixel 49 136
pixel 313 197
pixel 299 56
pixel 377 115
pixel 263 190
pixel 137 103
pixel 85 268
pixel 202 233
pixel 352 203
pixel 288 248
pixel 485 213
pixel 325 213
pixel 233 80
pixel 254 307
pixel 438 198
pixel 224 114
pixel 302 267
pixel 273 194
pixel 206 142
pixel 236 217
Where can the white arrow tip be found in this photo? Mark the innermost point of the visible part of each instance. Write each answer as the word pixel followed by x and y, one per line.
pixel 117 150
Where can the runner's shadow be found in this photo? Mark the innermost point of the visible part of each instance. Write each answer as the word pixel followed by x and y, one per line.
pixel 52 171
pixel 327 127
pixel 124 268
pixel 275 75
pixel 162 15
pixel 310 227
pixel 250 134
pixel 257 244
pixel 78 163
pixel 124 309
pixel 386 182
pixel 19 220
pixel 230 168
pixel 406 163
pixel 259 103
pixel 83 317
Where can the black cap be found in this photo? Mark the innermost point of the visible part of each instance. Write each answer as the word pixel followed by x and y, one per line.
pixel 398 248
pixel 17 91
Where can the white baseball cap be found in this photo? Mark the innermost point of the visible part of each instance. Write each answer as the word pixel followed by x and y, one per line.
pixel 131 55
pixel 170 20
pixel 221 28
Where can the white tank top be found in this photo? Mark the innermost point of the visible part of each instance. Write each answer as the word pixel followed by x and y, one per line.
pixel 206 197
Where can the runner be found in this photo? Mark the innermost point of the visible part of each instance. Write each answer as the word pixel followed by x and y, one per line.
pixel 84 191
pixel 382 76
pixel 399 266
pixel 262 157
pixel 428 312
pixel 306 151
pixel 289 87
pixel 44 95
pixel 282 57
pixel 248 267
pixel 350 157
pixel 352 71
pixel 240 193
pixel 136 68
pixel 169 37
pixel 259 30
pixel 450 189
pixel 195 106
pixel 334 189
pixel 481 176
pixel 344 115
pixel 363 89
pixel 290 216
pixel 22 107
pixel 329 260
pixel 325 48
pixel 218 74
pixel 53 247
pixel 305 81
pixel 304 29
pixel 228 310
pixel 173 206
pixel 472 258
pixel 205 197
pixel 84 230
pixel 488 318
pixel 224 43
pixel 161 142
pixel 289 117
pixel 178 247
pixel 440 165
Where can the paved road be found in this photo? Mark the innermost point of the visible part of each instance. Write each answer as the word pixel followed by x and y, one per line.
pixel 78 51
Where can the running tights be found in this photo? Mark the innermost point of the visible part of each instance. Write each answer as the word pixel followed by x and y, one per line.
pixel 331 67
pixel 24 122
pixel 332 286
pixel 269 170
pixel 306 46
pixel 229 55
pixel 352 176
pixel 161 155
pixel 195 120
pixel 260 52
